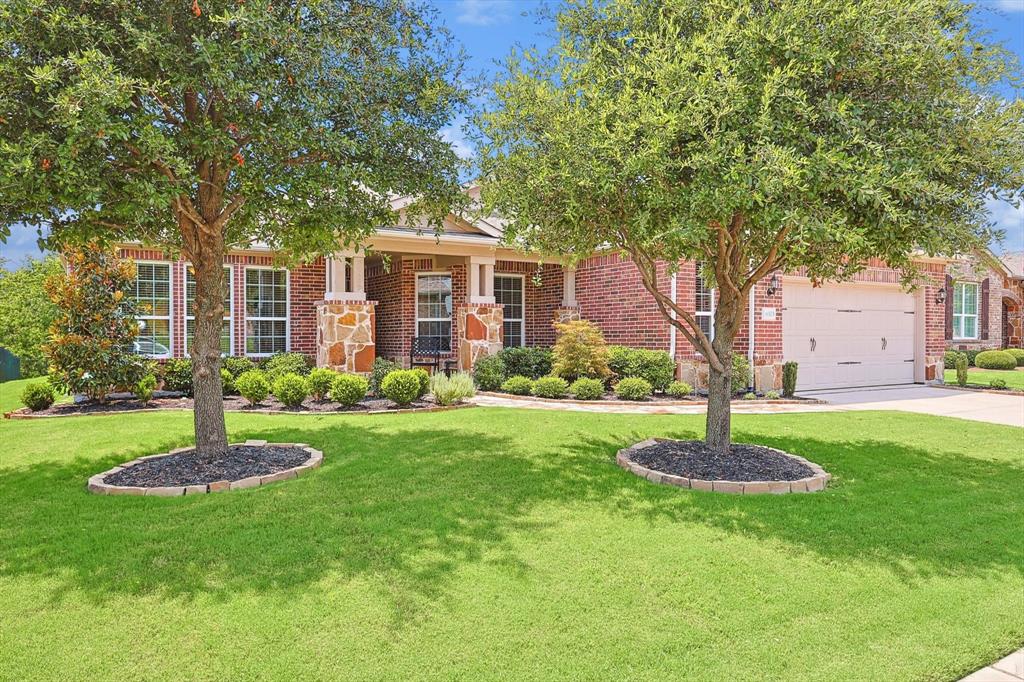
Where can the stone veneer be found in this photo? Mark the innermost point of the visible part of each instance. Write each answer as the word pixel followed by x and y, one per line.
pixel 344 336
pixel 565 314
pixel 811 484
pixel 767 377
pixel 479 329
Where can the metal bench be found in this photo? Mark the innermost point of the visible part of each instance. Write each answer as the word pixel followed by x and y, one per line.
pixel 427 351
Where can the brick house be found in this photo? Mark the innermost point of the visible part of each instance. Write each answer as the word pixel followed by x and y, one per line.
pixel 985 308
pixel 475 295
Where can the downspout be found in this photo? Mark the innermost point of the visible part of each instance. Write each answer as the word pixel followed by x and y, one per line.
pixel 751 336
pixel 672 327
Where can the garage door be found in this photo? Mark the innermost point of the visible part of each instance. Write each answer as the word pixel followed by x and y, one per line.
pixel 845 335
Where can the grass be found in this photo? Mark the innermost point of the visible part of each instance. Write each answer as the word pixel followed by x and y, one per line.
pixel 1014 378
pixel 10 393
pixel 506 544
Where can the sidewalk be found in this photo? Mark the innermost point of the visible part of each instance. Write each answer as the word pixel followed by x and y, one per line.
pixel 1009 669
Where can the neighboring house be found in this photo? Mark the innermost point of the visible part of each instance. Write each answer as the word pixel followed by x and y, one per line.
pixel 985 308
pixel 474 296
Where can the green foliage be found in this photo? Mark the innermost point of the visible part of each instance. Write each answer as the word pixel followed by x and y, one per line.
pixel 237 365
pixel 320 381
pixel 995 359
pixel 998 384
pixel 26 312
pixel 533 362
pixel 579 351
pixel 950 356
pixel 750 395
pixel 452 390
pixel 633 388
pixel 291 389
pixel 381 368
pixel 656 366
pixel 177 375
pixel 1018 355
pixel 772 395
pixel 960 361
pixel 489 372
pixel 518 385
pixel 550 387
pixel 145 388
pixel 227 382
pixel 401 386
pixel 587 389
pixel 789 372
pixel 424 378
pixel 740 373
pixel 349 389
pixel 38 395
pixel 253 386
pixel 679 389
pixel 279 364
pixel 90 348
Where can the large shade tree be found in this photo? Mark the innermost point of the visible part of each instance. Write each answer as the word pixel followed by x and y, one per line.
pixel 754 136
pixel 195 125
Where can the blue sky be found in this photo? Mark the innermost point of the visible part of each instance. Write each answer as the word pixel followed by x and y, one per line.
pixel 488 29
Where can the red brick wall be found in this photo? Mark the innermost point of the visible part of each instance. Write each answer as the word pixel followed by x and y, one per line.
pixel 542 294
pixel 610 294
pixel 393 287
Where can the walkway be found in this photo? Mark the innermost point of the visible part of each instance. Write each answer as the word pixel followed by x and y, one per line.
pixel 1009 669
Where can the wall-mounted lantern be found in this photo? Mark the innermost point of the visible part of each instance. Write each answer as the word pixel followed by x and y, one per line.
pixel 940 296
pixel 773 284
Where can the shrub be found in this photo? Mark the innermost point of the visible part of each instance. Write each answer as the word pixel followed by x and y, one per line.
pixel 750 395
pixel 740 373
pixel 320 381
pixel 253 386
pixel 587 389
pixel 451 390
pixel 237 365
pixel 381 368
pixel 291 389
pixel 679 389
pixel 26 312
pixel 528 362
pixel 656 366
pixel 518 385
pixel 177 375
pixel 489 372
pixel 227 382
pixel 349 389
pixel 424 378
pixel 401 386
pixel 145 388
pixel 1018 355
pixel 960 362
pixel 998 384
pixel 633 388
pixel 279 364
pixel 772 395
pixel 995 359
pixel 789 370
pixel 950 356
pixel 550 387
pixel 38 395
pixel 580 351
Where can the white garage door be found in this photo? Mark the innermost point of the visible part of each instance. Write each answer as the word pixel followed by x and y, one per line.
pixel 846 335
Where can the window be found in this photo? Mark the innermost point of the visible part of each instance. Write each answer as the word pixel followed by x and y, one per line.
pixel 266 311
pixel 965 310
pixel 434 308
pixel 705 306
pixel 190 317
pixel 153 296
pixel 508 291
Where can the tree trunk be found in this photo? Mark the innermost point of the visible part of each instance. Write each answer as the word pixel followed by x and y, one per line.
pixel 728 316
pixel 211 433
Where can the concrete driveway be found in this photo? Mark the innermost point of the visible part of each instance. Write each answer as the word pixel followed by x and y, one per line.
pixel 944 402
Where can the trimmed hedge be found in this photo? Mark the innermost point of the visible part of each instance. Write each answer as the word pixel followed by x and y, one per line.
pixel 532 362
pixel 424 377
pixel 679 389
pixel 320 381
pixel 401 386
pixel 587 389
pixel 349 389
pixel 381 368
pixel 177 375
pixel 656 366
pixel 550 387
pixel 633 388
pixel 518 385
pixel 291 389
pixel 489 372
pixel 1018 355
pixel 279 364
pixel 995 359
pixel 253 386
pixel 38 395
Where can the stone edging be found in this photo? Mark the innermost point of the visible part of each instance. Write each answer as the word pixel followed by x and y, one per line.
pixel 652 403
pixel 25 413
pixel 98 487
pixel 811 484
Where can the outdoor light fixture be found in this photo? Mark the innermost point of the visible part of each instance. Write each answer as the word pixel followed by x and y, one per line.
pixel 773 284
pixel 940 296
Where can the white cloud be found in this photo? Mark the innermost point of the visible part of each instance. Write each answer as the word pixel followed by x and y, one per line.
pixel 1011 220
pixel 21 244
pixel 488 12
pixel 1010 5
pixel 454 137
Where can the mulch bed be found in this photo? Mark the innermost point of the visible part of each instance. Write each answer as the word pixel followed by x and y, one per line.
pixel 693 459
pixel 188 468
pixel 231 403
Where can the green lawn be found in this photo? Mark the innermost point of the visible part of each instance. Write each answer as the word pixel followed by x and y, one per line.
pixel 10 393
pixel 506 544
pixel 1014 378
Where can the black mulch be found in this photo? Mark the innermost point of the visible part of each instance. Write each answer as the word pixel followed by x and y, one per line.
pixel 187 468
pixel 231 403
pixel 693 459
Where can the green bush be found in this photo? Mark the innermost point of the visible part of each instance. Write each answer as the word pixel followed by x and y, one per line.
pixel 550 387
pixel 381 368
pixel 772 395
pixel 291 389
pixel 528 362
pixel 227 382
pixel 580 351
pixel 1018 355
pixel 518 385
pixel 349 389
pixel 971 356
pixel 320 381
pixel 177 375
pixel 279 364
pixel 740 373
pixel 145 388
pixel 750 395
pixel 38 395
pixel 451 390
pixel 424 379
pixel 238 365
pixel 253 386
pixel 633 388
pixel 656 366
pixel 401 386
pixel 587 389
pixel 789 370
pixel 679 389
pixel 998 384
pixel 960 362
pixel 995 359
pixel 489 372
pixel 950 356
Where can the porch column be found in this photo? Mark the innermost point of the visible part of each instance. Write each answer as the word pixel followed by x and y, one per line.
pixel 569 310
pixel 479 327
pixel 345 331
pixel 338 289
pixel 480 271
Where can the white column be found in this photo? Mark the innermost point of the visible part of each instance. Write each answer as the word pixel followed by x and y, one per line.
pixel 335 277
pixel 568 287
pixel 481 279
pixel 358 292
pixel 488 276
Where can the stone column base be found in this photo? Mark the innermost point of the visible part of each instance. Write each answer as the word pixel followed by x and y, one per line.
pixel 934 369
pixel 768 377
pixel 566 314
pixel 480 331
pixel 693 372
pixel 345 339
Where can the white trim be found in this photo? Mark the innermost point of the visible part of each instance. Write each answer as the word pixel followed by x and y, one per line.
pixel 964 315
pixel 170 305
pixel 522 306
pixel 416 305
pixel 230 314
pixel 697 314
pixel 287 310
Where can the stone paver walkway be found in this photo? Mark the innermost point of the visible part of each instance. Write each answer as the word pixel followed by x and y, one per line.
pixel 1009 669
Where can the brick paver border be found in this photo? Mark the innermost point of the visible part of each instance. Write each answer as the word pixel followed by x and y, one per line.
pixel 811 484
pixel 97 485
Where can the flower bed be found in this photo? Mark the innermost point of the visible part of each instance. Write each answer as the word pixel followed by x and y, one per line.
pixel 611 399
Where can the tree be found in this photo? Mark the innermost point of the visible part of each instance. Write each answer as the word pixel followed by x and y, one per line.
pixel 753 137
pixel 26 312
pixel 197 124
